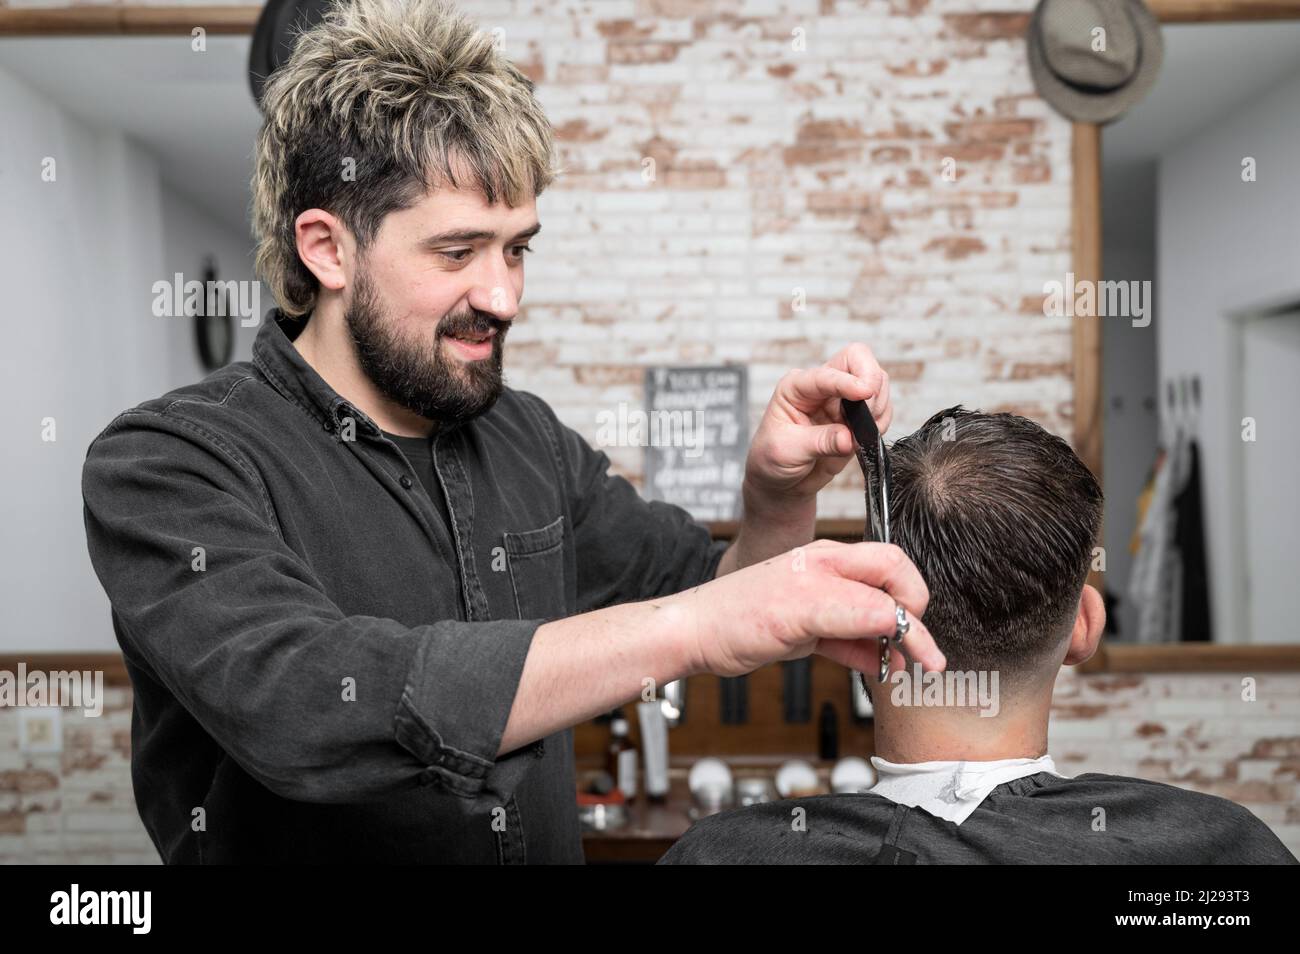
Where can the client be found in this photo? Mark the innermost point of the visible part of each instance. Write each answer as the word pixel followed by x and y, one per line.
pixel 1001 519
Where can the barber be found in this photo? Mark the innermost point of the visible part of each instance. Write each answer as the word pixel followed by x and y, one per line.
pixel 364 590
pixel 326 669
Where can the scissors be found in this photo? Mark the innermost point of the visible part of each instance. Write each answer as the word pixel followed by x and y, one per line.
pixel 874 461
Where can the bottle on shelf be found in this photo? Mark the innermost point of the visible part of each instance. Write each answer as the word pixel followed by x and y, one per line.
pixel 621 757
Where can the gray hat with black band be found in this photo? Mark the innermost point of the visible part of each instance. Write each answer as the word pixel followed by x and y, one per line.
pixel 1093 59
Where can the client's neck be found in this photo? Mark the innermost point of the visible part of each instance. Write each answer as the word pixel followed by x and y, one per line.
pixel 1016 730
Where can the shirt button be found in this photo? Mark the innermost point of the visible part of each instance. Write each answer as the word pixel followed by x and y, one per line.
pixel 406 482
pixel 328 426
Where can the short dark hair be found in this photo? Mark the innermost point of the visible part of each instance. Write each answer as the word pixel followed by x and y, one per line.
pixel 1001 518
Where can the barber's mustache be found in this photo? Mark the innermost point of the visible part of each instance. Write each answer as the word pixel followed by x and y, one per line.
pixel 473 323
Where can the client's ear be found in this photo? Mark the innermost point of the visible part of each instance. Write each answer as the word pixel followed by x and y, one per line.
pixel 1088 624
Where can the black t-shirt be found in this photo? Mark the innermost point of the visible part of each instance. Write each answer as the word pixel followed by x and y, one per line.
pixel 419 452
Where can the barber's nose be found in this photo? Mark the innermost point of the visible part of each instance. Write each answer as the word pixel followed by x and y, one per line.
pixel 495 295
pixel 498 301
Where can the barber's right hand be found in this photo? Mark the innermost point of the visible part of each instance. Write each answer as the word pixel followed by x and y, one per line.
pixel 826 597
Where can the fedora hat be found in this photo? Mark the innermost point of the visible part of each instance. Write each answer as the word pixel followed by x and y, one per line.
pixel 1082 77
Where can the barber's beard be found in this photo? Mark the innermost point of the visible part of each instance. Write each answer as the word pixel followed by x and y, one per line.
pixel 411 368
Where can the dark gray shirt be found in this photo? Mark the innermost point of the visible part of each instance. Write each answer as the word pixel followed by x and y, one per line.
pixel 1038 819
pixel 323 668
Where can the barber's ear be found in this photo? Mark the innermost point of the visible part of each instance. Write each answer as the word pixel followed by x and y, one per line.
pixel 1088 625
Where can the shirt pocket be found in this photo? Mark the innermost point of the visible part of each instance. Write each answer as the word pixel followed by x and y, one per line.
pixel 536 561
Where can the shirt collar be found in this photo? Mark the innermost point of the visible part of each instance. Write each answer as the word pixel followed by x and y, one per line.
pixel 951 790
pixel 276 357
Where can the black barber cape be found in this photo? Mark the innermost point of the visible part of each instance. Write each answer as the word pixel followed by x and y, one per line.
pixel 1038 819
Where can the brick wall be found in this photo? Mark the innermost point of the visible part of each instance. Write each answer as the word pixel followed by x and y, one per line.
pixel 1192 731
pixel 784 172
pixel 780 170
pixel 75 806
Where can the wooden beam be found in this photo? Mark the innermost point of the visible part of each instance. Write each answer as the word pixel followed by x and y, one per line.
pixel 1218 11
pixel 110 663
pixel 1193 657
pixel 127 20
pixel 1086 265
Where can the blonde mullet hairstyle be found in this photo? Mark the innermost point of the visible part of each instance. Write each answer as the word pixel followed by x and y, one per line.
pixel 407 96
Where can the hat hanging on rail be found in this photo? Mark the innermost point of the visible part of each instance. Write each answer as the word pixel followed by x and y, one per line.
pixel 1092 60
pixel 278 27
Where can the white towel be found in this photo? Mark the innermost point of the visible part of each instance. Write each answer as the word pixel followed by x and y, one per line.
pixel 951 790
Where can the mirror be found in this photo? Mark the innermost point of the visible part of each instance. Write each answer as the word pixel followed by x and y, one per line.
pixel 1200 307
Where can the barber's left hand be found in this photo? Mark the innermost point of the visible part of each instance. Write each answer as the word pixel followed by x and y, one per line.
pixel 802 441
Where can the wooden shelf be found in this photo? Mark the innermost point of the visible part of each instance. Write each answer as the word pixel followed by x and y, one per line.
pixel 1193 657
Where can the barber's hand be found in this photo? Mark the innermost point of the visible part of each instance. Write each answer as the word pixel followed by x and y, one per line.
pixel 802 441
pixel 824 598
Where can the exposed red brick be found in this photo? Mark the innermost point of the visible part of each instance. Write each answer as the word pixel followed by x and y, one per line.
pixel 819 155
pixel 798 352
pixel 669 9
pixel 1010 105
pixel 1028 370
pixel 1111 683
pixel 964 152
pixel 827 130
pixel 956 246
pixel 841 203
pixel 1032 172
pixel 991 130
pixel 635 53
pixel 1079 710
pixel 900 130
pixel 988 26
pixel 27 780
pixel 606 375
pixel 625 29
pixel 873 224
pixel 581 73
pixel 891 154
pixel 998 200
pixel 82 761
pixel 915 68
pixel 578 130
pixel 703 174
pixel 905 370
pixel 1286 747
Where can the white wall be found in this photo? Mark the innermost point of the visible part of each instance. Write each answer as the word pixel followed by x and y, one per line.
pixel 191 235
pixel 1226 245
pixel 78 259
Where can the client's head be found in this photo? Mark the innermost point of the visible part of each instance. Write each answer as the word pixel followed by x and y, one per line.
pixel 1001 518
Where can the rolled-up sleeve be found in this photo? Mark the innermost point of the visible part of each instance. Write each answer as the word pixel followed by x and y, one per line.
pixel 628 548
pixel 316 705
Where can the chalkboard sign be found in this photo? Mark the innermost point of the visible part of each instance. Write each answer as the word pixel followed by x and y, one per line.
pixel 698 422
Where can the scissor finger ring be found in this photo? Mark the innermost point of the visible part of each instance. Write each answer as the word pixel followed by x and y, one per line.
pixel 902 625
